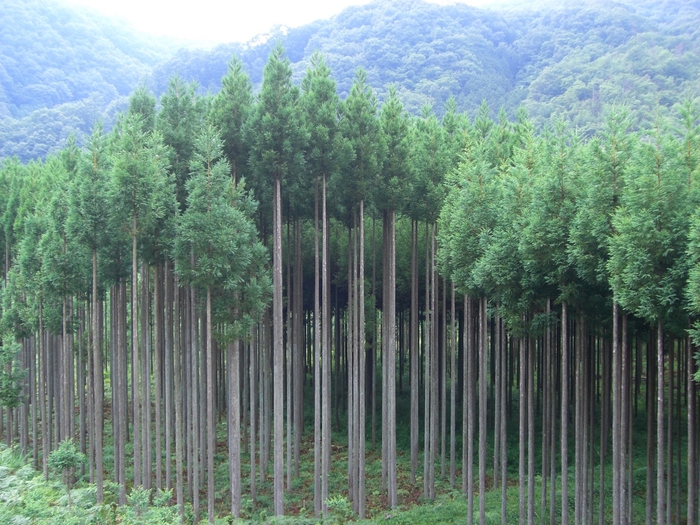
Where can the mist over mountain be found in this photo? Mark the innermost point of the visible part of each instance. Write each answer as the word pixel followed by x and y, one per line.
pixel 63 67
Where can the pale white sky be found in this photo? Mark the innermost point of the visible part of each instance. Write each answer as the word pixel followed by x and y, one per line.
pixel 218 21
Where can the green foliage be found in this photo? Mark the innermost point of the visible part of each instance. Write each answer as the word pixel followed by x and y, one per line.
pixel 65 460
pixel 217 244
pixel 11 375
pixel 230 111
pixel 339 509
pixel 361 129
pixel 178 121
pixel 647 251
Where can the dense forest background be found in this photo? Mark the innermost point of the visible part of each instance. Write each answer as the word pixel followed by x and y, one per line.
pixel 63 67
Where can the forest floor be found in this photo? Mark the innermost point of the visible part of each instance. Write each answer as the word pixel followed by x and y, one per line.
pixel 26 498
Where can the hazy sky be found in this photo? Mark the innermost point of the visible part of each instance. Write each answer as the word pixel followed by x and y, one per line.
pixel 216 21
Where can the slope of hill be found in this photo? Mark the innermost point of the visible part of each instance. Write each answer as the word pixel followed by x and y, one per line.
pixel 60 67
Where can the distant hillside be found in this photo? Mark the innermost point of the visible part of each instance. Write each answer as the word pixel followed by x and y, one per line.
pixel 572 59
pixel 60 68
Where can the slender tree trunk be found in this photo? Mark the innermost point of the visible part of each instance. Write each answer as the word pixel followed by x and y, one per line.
pixel 545 379
pixel 434 373
pixel 122 358
pixel 135 360
pixel 211 434
pixel 669 430
pixel 692 461
pixel 98 404
pixel 469 401
pixel 351 368
pixel 374 336
pixel 443 378
pixel 325 355
pixel 234 417
pixel 522 415
pixel 288 360
pixel 385 337
pixel 564 415
pixel 298 351
pixel 66 385
pixel 169 370
pixel 158 372
pixel 317 363
pixel 660 385
pixel 278 354
pixel 624 418
pixel 253 372
pixel 45 440
pixel 616 421
pixel 179 423
pixel 194 420
pixel 453 385
pixel 427 376
pixel 483 348
pixel 414 350
pixel 651 422
pixel 497 357
pixel 504 457
pixel 144 334
pixel 554 382
pixel 531 357
pixel 578 427
pixel 362 367
pixel 390 356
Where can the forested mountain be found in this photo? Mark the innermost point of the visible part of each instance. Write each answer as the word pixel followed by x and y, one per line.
pixel 61 68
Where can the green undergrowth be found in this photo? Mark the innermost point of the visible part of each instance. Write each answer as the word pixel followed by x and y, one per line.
pixel 27 498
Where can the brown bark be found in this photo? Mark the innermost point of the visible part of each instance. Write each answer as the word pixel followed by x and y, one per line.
pixel 278 353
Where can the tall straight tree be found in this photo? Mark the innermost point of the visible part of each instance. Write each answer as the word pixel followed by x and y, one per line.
pixel 690 116
pixel 140 162
pixel 218 228
pixel 276 151
pixel 589 248
pixel 320 106
pixel 360 128
pixel 430 161
pixel 647 264
pixel 88 224
pixel 390 191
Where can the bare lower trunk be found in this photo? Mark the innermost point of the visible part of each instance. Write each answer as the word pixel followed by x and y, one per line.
pixel 325 356
pixel 135 362
pixel 483 347
pixel 692 466
pixel 414 364
pixel 660 473
pixel 391 360
pixel 453 385
pixel 317 364
pixel 564 415
pixel 616 419
pixel 278 355
pixel 98 403
pixel 234 417
pixel 362 367
pixel 178 400
pixel 522 414
pixel 211 435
